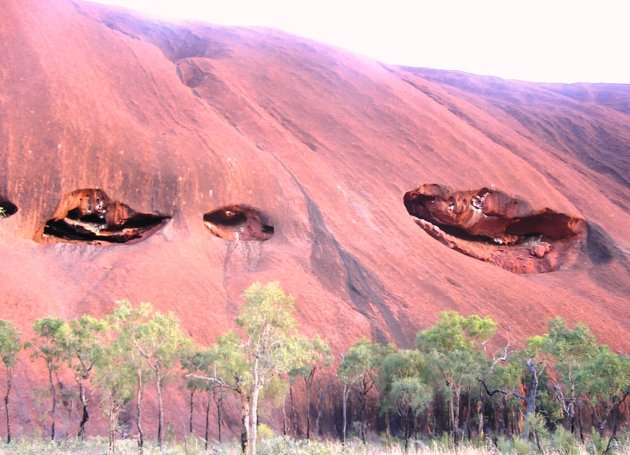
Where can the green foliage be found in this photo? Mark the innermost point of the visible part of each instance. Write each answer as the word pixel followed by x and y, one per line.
pixel 47 343
pixel 604 376
pixel 453 332
pixel 564 442
pixel 9 343
pixel 197 361
pixel 454 346
pixel 515 446
pixel 80 342
pixel 273 342
pixel 403 372
pixel 316 354
pixel 569 348
pixel 115 376
pixel 411 395
pixel 157 337
pixel 361 361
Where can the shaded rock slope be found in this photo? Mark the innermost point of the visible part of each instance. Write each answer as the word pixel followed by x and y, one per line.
pixel 177 163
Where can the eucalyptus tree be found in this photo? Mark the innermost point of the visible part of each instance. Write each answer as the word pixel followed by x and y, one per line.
pixel 404 388
pixel 516 377
pixel 159 341
pixel 605 381
pixel 115 376
pixel 271 345
pixel 80 341
pixel 359 369
pixel 10 346
pixel 202 361
pixel 47 346
pixel 227 368
pixel 454 346
pixel 570 351
pixel 317 356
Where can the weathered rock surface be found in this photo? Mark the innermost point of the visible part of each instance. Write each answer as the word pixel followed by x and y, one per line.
pixel 182 120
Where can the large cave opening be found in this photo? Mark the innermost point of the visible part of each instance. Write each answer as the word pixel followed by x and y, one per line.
pixel 90 216
pixel 239 222
pixel 7 208
pixel 492 226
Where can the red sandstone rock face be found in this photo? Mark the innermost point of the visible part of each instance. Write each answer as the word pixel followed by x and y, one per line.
pixel 184 120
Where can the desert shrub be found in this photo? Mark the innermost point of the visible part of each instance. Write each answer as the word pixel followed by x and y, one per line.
pixel 564 442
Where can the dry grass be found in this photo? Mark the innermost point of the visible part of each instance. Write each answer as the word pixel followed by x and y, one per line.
pixel 282 446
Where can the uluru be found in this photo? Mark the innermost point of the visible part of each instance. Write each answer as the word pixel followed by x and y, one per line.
pixel 177 163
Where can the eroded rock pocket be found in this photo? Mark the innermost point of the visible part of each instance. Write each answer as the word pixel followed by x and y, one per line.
pixel 7 208
pixel 491 226
pixel 239 222
pixel 88 215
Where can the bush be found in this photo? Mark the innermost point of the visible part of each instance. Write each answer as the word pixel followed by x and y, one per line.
pixel 564 442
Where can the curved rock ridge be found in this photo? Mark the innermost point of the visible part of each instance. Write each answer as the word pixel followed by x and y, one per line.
pixel 90 216
pixel 239 222
pixel 491 226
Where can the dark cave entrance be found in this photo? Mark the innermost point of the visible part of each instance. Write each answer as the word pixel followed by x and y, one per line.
pixel 7 208
pixel 491 226
pixel 239 222
pixel 88 215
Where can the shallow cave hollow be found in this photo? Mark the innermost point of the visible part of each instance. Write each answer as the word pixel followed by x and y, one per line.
pixel 89 215
pixel 7 208
pixel 490 225
pixel 239 222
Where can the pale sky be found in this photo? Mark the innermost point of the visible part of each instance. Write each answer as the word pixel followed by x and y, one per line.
pixel 535 40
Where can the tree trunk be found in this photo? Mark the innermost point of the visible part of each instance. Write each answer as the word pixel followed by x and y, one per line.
pixel 84 415
pixel 192 402
pixel 530 398
pixel 580 423
pixel 451 415
pixel 344 408
pixel 458 398
pixel 284 416
pixel 362 417
pixel 294 420
pixel 614 431
pixel 468 414
pixel 308 412
pixel 53 393
pixel 253 417
pixel 309 383
pixel 139 409
pixel 480 422
pixel 207 432
pixel 220 411
pixel 244 422
pixel 158 383
pixel 111 430
pixel 320 398
pixel 6 402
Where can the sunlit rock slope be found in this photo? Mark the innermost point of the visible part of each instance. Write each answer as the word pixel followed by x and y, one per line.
pixel 177 163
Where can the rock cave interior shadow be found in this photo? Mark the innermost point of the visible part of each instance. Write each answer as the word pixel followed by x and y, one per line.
pixel 239 222
pixel 90 216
